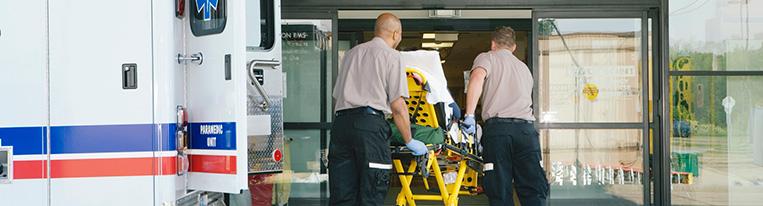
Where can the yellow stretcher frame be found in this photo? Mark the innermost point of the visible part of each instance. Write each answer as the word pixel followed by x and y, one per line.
pixel 448 192
pixel 424 114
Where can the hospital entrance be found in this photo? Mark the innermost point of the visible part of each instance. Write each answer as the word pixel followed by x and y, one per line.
pixel 595 100
pixel 589 71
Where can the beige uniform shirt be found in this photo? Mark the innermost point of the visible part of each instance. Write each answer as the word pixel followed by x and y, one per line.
pixel 370 75
pixel 508 86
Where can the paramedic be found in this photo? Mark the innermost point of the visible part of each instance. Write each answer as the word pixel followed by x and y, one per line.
pixel 371 83
pixel 511 146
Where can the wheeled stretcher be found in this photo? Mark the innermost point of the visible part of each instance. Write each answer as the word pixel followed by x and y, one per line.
pixel 453 159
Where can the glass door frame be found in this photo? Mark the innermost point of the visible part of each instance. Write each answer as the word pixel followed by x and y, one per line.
pixel 646 124
pixel 326 111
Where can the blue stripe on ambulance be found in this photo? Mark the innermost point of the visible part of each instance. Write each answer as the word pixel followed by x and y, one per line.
pixel 25 140
pixel 116 138
pixel 101 138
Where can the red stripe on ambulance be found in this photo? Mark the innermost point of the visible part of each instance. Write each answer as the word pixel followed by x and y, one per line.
pixel 213 164
pixel 109 167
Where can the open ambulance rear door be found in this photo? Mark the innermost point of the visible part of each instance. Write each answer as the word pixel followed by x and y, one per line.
pixel 215 58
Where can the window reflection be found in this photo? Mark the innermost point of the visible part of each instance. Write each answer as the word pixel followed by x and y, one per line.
pixel 717 141
pixel 590 70
pixel 717 35
pixel 306 54
pixel 305 49
pixel 601 166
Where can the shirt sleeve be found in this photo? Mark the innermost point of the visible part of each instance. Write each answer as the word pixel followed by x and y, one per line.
pixel 483 60
pixel 397 85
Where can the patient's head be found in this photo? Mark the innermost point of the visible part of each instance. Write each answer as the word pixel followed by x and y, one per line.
pixel 503 38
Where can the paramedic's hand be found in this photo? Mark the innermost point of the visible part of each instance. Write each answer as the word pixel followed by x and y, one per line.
pixel 470 125
pixel 417 147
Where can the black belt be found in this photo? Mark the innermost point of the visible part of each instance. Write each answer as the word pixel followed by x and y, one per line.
pixel 509 120
pixel 360 110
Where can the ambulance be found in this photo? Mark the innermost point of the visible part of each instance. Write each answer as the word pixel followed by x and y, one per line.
pixel 138 102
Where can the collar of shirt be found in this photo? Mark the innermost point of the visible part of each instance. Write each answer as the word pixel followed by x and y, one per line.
pixel 506 51
pixel 380 42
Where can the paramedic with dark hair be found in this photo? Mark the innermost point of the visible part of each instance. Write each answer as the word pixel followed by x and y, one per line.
pixel 371 84
pixel 511 148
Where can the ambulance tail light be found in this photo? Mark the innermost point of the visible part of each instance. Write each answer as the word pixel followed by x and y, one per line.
pixel 181 140
pixel 179 8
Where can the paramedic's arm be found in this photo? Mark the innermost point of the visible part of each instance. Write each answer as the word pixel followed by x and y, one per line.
pixel 474 89
pixel 401 118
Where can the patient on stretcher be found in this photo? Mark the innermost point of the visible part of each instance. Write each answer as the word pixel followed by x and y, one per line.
pixel 431 106
pixel 454 159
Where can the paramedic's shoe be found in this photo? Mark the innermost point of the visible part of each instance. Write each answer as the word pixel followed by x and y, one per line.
pixel 417 147
pixel 470 125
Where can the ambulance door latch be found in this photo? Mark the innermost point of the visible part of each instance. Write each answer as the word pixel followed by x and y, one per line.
pixel 130 76
pixel 197 57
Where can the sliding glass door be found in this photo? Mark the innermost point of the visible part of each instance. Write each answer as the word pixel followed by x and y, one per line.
pixel 593 105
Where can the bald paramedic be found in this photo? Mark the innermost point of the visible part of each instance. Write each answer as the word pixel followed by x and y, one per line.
pixel 511 148
pixel 370 85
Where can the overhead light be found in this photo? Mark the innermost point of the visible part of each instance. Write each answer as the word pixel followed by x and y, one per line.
pixel 444 13
pixel 440 36
pixel 446 37
pixel 434 45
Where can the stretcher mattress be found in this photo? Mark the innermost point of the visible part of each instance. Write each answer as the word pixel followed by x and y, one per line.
pixel 428 63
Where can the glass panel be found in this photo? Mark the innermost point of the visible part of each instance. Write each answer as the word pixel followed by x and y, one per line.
pixel 595 167
pixel 301 179
pixel 267 24
pixel 590 70
pixel 306 52
pixel 717 35
pixel 306 46
pixel 717 140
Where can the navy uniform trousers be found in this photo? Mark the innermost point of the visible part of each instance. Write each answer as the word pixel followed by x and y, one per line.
pixel 359 158
pixel 512 155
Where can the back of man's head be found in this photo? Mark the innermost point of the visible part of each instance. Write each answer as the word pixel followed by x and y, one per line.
pixel 387 24
pixel 504 36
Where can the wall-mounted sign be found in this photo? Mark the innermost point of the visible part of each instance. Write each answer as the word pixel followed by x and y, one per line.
pixel 298 32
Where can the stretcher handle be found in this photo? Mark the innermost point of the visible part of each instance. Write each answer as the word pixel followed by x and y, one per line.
pixel 403 149
pixel 463 152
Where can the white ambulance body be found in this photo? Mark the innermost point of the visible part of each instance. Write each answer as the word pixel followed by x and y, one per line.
pixel 94 91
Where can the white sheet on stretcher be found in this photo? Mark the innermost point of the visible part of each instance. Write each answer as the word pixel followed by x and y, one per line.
pixel 428 62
